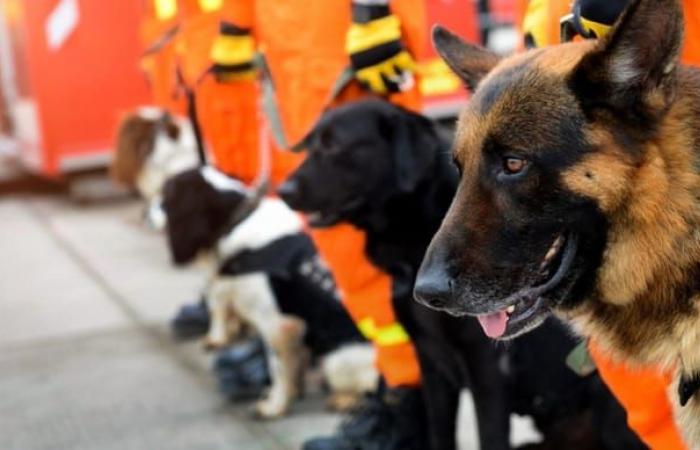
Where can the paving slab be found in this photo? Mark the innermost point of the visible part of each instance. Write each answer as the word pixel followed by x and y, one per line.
pixel 115 390
pixel 42 292
pixel 113 244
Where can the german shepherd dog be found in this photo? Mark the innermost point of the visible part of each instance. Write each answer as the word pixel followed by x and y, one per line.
pixel 386 170
pixel 580 194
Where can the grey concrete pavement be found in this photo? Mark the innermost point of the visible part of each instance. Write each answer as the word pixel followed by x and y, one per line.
pixel 86 359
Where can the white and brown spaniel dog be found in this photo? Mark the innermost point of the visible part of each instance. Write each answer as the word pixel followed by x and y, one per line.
pixel 267 274
pixel 151 147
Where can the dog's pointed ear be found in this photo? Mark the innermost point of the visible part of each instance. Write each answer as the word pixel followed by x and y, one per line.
pixel 470 62
pixel 635 64
pixel 415 144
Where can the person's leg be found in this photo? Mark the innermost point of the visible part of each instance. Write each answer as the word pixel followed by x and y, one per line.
pixel 380 420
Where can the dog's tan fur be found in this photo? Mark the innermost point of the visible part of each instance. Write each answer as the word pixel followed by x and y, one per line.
pixel 654 241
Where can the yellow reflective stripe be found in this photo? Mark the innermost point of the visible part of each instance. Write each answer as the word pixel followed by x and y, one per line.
pixel 393 334
pixel 165 9
pixel 599 29
pixel 211 5
pixel 230 50
pixel 367 328
pixel 363 36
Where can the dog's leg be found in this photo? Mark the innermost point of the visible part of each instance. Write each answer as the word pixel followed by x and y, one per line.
pixel 219 297
pixel 254 302
pixel 350 372
pixel 490 397
pixel 286 356
pixel 441 396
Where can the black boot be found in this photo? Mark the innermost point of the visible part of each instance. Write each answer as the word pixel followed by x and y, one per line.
pixel 191 321
pixel 241 370
pixel 391 419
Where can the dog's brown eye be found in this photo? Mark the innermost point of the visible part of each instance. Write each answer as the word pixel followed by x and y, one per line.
pixel 513 166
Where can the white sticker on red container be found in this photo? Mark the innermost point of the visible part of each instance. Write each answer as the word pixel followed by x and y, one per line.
pixel 61 23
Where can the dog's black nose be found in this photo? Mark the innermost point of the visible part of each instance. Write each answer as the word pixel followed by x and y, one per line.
pixel 433 288
pixel 289 191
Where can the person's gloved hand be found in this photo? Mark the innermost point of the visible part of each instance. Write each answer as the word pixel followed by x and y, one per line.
pixel 594 18
pixel 232 54
pixel 378 57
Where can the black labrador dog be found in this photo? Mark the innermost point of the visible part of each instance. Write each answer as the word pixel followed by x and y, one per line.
pixel 387 171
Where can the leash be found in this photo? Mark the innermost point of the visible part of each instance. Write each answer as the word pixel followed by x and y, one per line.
pixel 196 126
pixel 190 96
pixel 162 41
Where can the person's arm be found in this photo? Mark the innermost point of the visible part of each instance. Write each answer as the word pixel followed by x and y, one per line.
pixel 377 54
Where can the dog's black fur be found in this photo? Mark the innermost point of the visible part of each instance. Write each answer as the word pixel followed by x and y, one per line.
pixel 386 171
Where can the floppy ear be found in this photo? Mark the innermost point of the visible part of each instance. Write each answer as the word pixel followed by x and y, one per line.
pixel 415 144
pixel 635 64
pixel 191 206
pixel 470 62
pixel 134 144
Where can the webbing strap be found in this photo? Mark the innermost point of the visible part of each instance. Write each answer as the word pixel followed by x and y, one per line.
pixel 269 102
pixel 271 109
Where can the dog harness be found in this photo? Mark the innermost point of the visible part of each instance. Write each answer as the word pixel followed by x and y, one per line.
pixel 688 387
pixel 303 287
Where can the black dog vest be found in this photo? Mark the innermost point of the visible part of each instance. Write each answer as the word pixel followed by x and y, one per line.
pixel 303 287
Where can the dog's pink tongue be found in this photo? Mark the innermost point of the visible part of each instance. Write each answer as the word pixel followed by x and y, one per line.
pixel 494 325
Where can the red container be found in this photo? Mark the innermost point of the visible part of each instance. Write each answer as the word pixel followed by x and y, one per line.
pixel 70 71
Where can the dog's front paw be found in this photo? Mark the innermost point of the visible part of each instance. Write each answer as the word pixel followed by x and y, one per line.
pixel 267 409
pixel 688 386
pixel 342 401
pixel 209 344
